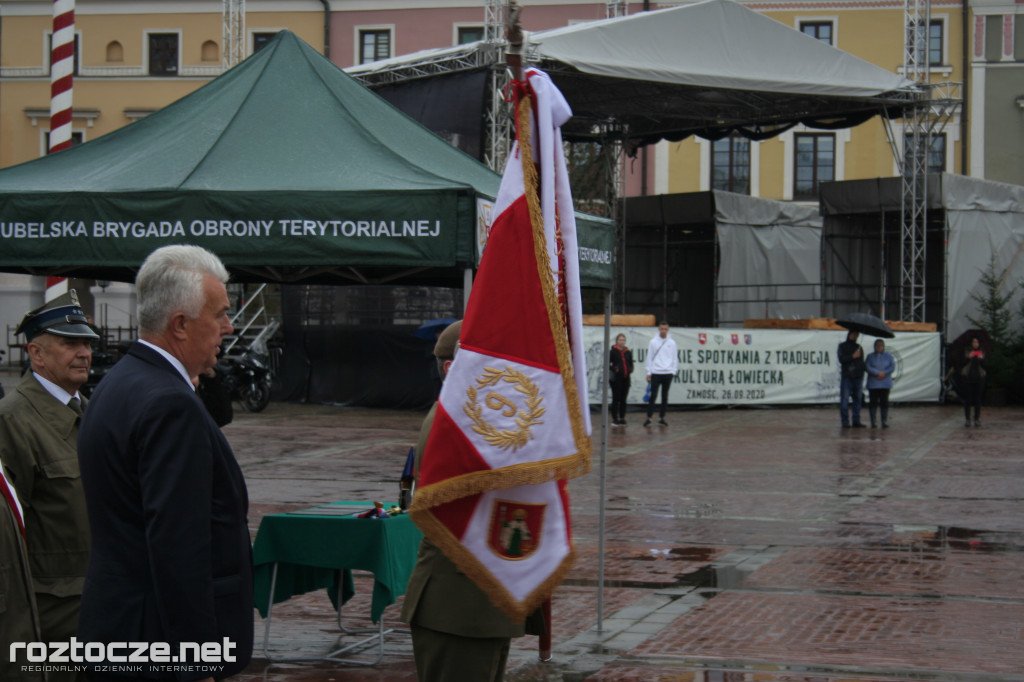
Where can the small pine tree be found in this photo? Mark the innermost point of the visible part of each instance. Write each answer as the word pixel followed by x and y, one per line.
pixel 995 315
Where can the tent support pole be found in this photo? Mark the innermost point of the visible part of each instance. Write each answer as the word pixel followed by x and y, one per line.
pixel 467 286
pixel 604 458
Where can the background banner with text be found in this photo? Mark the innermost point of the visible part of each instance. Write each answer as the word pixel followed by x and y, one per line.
pixel 767 366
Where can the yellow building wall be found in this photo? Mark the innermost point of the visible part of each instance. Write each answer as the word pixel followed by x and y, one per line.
pixel 874 34
pixel 24 42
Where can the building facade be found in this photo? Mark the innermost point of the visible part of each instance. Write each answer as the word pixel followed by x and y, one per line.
pixel 995 84
pixel 791 166
pixel 136 56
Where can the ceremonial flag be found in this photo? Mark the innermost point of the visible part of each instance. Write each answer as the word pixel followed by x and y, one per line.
pixel 512 422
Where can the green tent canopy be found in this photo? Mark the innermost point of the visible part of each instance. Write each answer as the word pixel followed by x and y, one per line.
pixel 285 167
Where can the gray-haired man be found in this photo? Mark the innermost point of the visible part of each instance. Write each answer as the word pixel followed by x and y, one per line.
pixel 171 560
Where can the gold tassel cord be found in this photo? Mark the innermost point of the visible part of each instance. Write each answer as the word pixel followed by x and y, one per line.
pixel 558 332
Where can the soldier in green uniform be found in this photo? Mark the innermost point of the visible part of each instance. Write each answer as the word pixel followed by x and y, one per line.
pixel 39 449
pixel 19 621
pixel 457 633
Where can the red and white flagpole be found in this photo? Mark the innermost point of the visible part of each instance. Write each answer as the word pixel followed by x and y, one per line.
pixel 62 68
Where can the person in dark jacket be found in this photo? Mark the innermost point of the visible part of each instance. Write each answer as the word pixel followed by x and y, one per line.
pixel 972 380
pixel 38 441
pixel 851 380
pixel 621 359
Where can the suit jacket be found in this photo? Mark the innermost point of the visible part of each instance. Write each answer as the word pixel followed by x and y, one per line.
pixel 38 446
pixel 171 559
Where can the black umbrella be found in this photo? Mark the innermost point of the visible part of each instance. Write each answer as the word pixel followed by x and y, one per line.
pixel 866 323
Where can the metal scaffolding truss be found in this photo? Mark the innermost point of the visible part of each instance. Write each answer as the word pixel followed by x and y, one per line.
pixel 933 107
pixel 461 58
pixel 233 32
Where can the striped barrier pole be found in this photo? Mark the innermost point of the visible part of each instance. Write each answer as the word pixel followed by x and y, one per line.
pixel 62 68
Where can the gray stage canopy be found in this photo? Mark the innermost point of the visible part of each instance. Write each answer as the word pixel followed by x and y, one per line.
pixel 705 69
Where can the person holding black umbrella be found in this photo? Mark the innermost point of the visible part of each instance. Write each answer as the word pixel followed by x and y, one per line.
pixel 851 380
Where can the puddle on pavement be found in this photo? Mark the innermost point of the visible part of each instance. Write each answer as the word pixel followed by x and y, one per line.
pixel 711 579
pixel 943 538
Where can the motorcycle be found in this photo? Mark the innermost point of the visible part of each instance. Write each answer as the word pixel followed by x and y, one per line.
pixel 102 362
pixel 247 379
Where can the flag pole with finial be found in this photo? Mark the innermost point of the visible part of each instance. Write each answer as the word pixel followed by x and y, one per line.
pixel 514 59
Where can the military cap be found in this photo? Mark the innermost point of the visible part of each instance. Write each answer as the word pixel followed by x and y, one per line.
pixel 448 341
pixel 62 316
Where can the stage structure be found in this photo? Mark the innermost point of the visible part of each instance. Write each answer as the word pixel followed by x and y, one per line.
pixel 972 223
pixel 634 80
pixel 715 259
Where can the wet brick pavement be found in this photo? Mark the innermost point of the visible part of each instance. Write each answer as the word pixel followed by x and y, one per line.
pixel 741 545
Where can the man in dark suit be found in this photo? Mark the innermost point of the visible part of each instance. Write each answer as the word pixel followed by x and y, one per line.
pixel 171 560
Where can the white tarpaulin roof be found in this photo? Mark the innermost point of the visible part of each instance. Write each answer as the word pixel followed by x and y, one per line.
pixel 705 68
pixel 714 44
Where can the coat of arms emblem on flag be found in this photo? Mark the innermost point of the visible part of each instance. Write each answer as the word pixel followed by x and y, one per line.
pixel 512 423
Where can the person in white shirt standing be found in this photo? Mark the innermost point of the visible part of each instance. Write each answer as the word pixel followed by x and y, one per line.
pixel 661 364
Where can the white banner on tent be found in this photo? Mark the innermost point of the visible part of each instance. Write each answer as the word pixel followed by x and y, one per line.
pixel 766 366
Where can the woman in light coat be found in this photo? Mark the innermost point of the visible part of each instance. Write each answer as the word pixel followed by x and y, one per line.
pixel 880 366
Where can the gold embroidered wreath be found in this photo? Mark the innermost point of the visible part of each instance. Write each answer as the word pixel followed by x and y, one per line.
pixel 524 418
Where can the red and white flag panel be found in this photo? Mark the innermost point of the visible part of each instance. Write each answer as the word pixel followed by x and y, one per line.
pixel 512 421
pixel 512 411
pixel 516 544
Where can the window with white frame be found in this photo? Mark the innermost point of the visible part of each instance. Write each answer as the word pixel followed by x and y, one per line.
pixel 814 163
pixel 374 44
pixel 74 61
pixel 163 54
pixel 77 138
pixel 260 39
pixel 730 164
pixel 936 42
pixel 821 30
pixel 469 34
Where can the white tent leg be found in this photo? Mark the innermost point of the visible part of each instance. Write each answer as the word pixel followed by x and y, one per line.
pixel 604 457
pixel 467 286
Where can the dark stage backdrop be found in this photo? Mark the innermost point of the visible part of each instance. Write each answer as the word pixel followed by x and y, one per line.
pixel 339 351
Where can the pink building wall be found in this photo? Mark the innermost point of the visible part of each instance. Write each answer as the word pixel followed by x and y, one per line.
pixel 422 29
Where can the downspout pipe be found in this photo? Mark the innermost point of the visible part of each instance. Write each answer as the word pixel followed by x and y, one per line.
pixel 965 97
pixel 327 28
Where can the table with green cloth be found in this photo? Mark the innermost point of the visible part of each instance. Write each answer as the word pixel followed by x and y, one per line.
pixel 310 546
